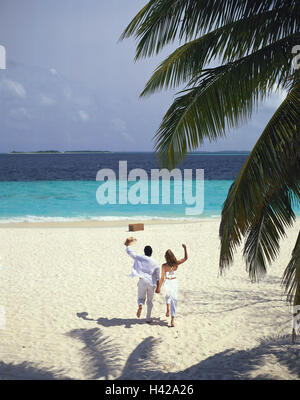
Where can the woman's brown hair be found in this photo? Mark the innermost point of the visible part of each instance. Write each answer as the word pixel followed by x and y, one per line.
pixel 171 259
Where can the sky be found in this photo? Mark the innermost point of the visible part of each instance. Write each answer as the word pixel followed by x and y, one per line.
pixel 71 85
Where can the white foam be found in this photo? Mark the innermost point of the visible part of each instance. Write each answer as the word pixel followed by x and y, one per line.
pixel 36 219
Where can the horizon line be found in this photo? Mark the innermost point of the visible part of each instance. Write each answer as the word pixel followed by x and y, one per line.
pixel 114 151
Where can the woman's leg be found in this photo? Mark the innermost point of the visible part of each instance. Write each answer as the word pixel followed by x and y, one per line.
pixel 168 300
pixel 173 310
pixel 174 297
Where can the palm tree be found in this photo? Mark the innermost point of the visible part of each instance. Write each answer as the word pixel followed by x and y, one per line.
pixel 251 43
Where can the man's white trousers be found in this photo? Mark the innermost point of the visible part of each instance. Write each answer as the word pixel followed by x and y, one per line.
pixel 146 291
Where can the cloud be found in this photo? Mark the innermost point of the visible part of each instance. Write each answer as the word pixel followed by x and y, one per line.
pixel 67 93
pixel 127 137
pixel 119 126
pixel 48 101
pixel 19 113
pixel 83 115
pixel 13 87
pixel 53 71
pixel 77 97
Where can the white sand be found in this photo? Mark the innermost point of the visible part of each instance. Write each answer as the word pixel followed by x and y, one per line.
pixel 70 308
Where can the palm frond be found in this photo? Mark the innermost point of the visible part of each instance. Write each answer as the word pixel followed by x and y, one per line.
pixel 224 99
pixel 227 43
pixel 161 21
pixel 139 19
pixel 266 230
pixel 273 163
pixel 291 276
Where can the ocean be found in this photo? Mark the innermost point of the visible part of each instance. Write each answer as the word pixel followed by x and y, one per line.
pixel 63 187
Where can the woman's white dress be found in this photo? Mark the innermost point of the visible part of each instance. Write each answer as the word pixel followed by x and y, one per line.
pixel 171 290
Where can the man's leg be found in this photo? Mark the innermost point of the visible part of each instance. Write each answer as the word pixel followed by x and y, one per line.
pixel 141 296
pixel 150 294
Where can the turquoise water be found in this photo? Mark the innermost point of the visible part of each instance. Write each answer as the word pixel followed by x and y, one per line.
pixel 65 200
pixel 64 187
pixel 76 200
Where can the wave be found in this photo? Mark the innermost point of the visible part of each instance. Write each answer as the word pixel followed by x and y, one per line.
pixel 39 219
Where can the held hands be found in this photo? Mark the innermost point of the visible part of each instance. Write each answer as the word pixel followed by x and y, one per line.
pixel 158 286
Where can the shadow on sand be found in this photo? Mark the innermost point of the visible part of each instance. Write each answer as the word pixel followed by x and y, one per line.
pixel 127 322
pixel 101 359
pixel 29 371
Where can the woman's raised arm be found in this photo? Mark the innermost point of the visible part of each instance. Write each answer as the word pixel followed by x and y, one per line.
pixel 185 255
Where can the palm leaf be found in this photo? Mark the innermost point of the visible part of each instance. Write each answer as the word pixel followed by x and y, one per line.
pixel 266 230
pixel 291 276
pixel 273 163
pixel 224 99
pixel 228 43
pixel 161 21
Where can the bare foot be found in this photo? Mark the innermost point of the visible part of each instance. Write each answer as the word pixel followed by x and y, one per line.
pixel 168 312
pixel 139 311
pixel 172 322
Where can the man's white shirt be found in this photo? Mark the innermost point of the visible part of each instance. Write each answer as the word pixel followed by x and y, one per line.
pixel 144 267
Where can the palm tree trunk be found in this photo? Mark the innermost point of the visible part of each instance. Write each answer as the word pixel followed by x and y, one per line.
pixel 296 309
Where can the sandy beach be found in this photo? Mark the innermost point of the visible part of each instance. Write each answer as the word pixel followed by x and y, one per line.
pixel 70 307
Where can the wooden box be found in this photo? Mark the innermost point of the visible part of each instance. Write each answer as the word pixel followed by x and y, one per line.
pixel 136 227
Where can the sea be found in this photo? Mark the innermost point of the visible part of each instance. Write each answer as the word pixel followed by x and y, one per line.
pixel 64 187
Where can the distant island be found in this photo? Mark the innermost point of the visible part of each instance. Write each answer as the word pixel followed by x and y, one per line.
pixel 222 152
pixel 60 152
pixel 35 152
pixel 86 151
